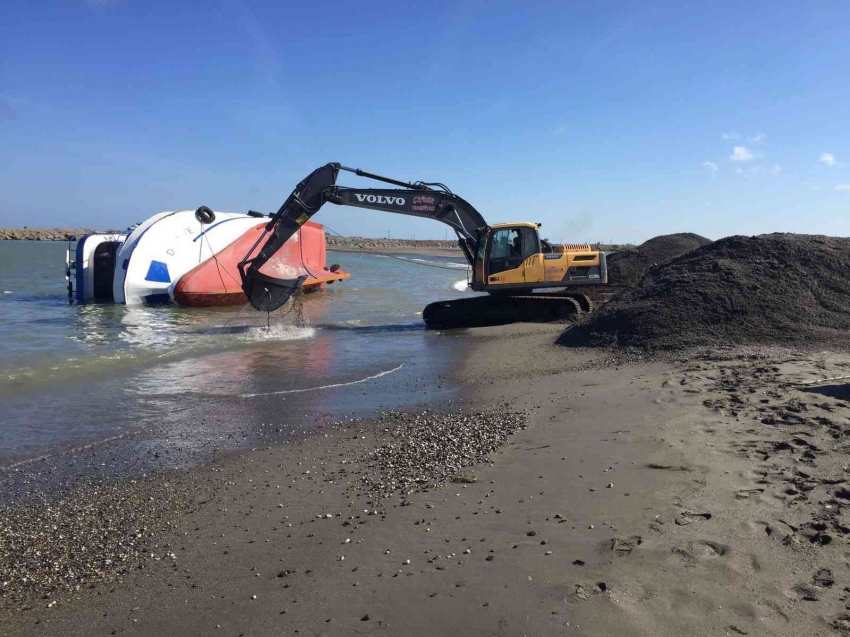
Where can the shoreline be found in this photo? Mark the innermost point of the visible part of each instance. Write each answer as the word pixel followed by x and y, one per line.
pixel 723 514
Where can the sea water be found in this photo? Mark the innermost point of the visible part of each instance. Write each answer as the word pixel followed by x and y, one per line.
pixel 167 386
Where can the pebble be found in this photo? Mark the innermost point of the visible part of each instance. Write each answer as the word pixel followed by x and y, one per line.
pixel 430 448
pixel 90 534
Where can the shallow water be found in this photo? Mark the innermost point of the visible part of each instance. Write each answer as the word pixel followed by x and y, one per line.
pixel 185 381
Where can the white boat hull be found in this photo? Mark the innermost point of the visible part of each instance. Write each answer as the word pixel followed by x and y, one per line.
pixel 167 246
pixel 144 265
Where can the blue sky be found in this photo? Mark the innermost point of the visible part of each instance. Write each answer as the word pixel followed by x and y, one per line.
pixel 603 120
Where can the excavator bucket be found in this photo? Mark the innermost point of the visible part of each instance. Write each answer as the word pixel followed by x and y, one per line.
pixel 266 293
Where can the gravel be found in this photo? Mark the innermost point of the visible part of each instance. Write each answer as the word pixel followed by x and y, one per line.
pixel 92 534
pixel 428 449
pixel 784 290
pixel 52 544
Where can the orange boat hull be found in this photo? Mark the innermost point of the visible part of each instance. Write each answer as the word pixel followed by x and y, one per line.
pixel 216 282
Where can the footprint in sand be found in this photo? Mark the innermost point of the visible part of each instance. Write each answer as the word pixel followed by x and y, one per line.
pixel 688 517
pixel 700 550
pixel 841 623
pixel 580 593
pixel 823 578
pixel 804 592
pixel 759 528
pixel 743 494
pixel 621 546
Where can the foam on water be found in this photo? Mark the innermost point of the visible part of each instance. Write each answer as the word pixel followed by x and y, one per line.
pixel 330 386
pixel 279 332
pixel 443 264
pixel 460 286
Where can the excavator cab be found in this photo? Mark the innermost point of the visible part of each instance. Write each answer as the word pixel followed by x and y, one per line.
pixel 511 256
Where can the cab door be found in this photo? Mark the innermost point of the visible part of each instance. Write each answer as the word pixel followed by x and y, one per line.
pixel 533 266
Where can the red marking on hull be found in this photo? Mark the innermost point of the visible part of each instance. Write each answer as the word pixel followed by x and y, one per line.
pixel 215 282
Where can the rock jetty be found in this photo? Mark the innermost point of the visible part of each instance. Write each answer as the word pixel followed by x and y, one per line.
pixel 45 234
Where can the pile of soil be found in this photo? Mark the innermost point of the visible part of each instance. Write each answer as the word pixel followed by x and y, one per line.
pixel 777 289
pixel 627 267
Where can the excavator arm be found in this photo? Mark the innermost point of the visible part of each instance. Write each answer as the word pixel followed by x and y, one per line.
pixel 429 200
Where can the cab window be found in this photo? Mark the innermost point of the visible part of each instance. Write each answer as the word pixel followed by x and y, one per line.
pixel 509 247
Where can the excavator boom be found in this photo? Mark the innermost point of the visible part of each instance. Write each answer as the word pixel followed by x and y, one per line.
pixel 433 201
pixel 527 278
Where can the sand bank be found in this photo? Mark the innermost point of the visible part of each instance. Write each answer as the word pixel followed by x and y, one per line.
pixel 636 498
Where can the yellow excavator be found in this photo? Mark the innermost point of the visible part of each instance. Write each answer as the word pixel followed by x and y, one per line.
pixel 527 278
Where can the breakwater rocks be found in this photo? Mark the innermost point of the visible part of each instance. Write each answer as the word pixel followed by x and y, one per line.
pixel 389 244
pixel 45 234
pixel 64 234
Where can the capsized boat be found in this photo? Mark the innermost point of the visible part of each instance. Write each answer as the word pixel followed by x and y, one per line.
pixel 216 281
pixel 148 263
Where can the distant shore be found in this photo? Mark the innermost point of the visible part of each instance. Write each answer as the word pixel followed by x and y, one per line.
pixel 47 234
pixel 401 250
pixel 338 244
pixel 412 247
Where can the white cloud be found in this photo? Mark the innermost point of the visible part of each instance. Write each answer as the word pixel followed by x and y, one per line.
pixel 739 171
pixel 842 187
pixel 729 136
pixel 756 138
pixel 710 165
pixel 828 159
pixel 776 169
pixel 741 153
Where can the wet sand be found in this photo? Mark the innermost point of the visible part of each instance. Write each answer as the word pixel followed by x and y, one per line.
pixel 700 497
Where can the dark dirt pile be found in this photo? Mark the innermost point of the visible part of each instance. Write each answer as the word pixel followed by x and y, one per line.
pixel 777 289
pixel 628 267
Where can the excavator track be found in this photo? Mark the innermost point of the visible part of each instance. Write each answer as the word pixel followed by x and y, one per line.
pixel 481 311
pixel 583 300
